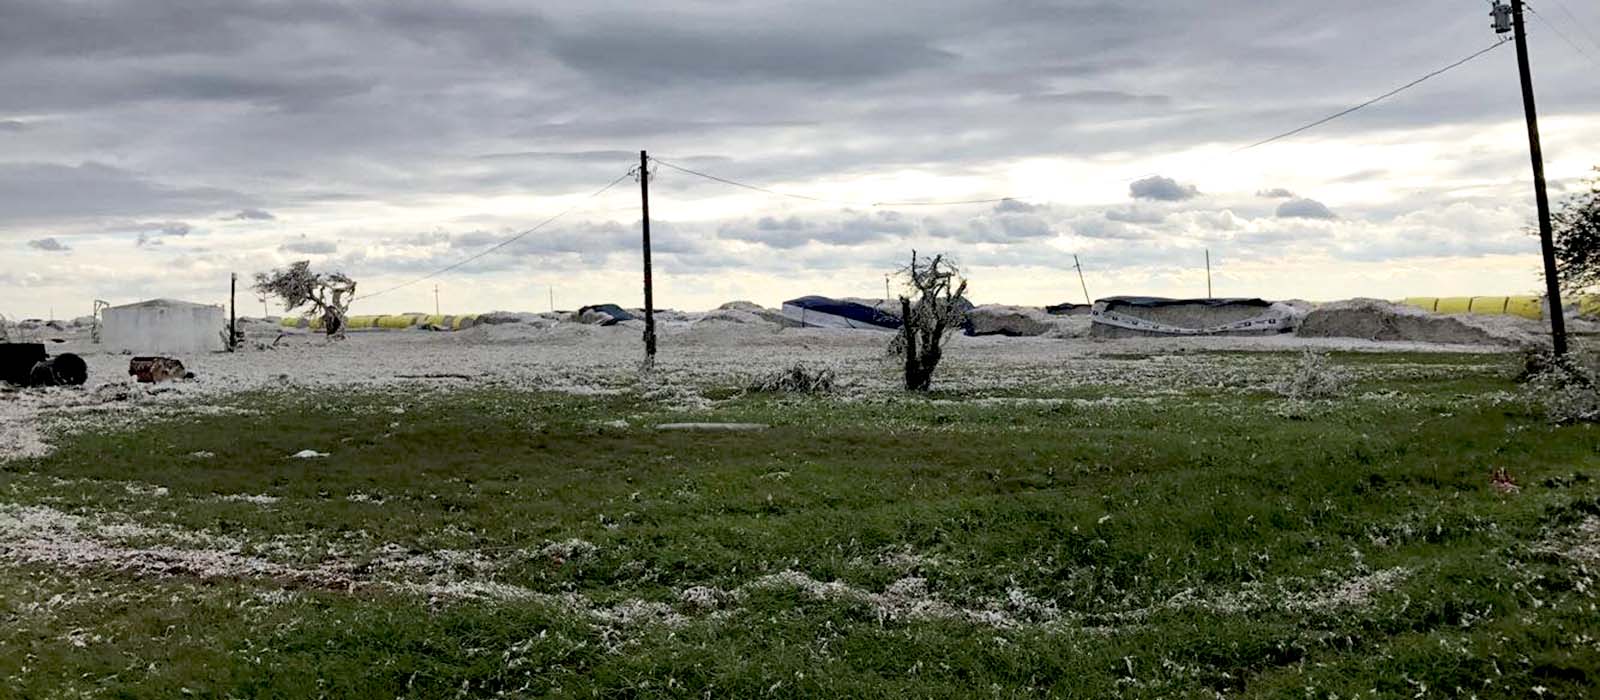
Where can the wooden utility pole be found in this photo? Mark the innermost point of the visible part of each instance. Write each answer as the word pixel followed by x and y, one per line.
pixel 1552 281
pixel 649 292
pixel 436 299
pixel 1079 266
pixel 1208 273
pixel 233 311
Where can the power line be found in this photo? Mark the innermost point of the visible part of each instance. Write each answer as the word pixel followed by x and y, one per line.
pixel 1374 100
pixel 1287 134
pixel 1580 24
pixel 503 243
pixel 1563 35
pixel 845 202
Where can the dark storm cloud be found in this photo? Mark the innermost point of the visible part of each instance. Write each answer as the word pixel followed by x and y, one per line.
pixel 1305 209
pixel 636 54
pixel 1162 189
pixel 48 244
pixel 148 28
pixel 35 191
pixel 578 156
pixel 161 109
pixel 1107 98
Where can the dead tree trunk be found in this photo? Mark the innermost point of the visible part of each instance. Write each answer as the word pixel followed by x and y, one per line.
pixel 916 379
pixel 940 307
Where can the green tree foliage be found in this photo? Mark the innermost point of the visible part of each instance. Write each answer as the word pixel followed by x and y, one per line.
pixel 1577 238
pixel 327 294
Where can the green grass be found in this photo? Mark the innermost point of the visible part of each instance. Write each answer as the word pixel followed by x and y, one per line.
pixel 1108 516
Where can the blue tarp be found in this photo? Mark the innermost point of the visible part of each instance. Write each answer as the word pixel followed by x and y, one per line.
pixel 838 313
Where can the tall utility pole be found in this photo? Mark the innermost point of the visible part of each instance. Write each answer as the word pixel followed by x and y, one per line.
pixel 1558 322
pixel 436 299
pixel 649 292
pixel 233 311
pixel 1208 273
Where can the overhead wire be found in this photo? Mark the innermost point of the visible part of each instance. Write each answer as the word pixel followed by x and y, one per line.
pixel 1579 23
pixel 993 200
pixel 1563 35
pixel 1375 100
pixel 917 203
pixel 824 200
pixel 519 236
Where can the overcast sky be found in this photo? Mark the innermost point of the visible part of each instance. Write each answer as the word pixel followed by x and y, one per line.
pixel 150 148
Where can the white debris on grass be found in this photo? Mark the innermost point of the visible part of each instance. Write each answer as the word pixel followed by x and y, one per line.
pixel 308 454
pixel 1581 546
pixel 1290 595
pixel 138 489
pixel 569 550
pixel 45 536
pixel 599 361
pixel 258 499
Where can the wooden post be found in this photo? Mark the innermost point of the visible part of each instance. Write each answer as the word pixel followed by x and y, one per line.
pixel 1208 273
pixel 649 292
pixel 1552 280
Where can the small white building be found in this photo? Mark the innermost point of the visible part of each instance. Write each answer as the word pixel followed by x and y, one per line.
pixel 164 326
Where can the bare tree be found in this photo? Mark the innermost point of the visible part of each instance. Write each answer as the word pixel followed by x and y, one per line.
pixel 328 294
pixel 936 308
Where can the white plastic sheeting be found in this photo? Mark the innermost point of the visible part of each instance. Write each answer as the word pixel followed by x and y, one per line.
pixel 164 326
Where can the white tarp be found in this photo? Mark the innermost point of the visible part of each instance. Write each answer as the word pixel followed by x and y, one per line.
pixel 164 326
pixel 1276 317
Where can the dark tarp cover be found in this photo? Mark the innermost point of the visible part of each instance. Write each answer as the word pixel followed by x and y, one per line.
pixel 1156 302
pixel 616 313
pixel 849 310
pixel 1067 309
pixel 17 361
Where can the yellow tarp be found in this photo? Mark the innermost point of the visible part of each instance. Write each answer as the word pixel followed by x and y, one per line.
pixel 1524 306
pixel 396 322
pixel 1424 303
pixel 1454 305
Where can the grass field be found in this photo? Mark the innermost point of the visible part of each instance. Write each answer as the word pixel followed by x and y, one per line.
pixel 1169 539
